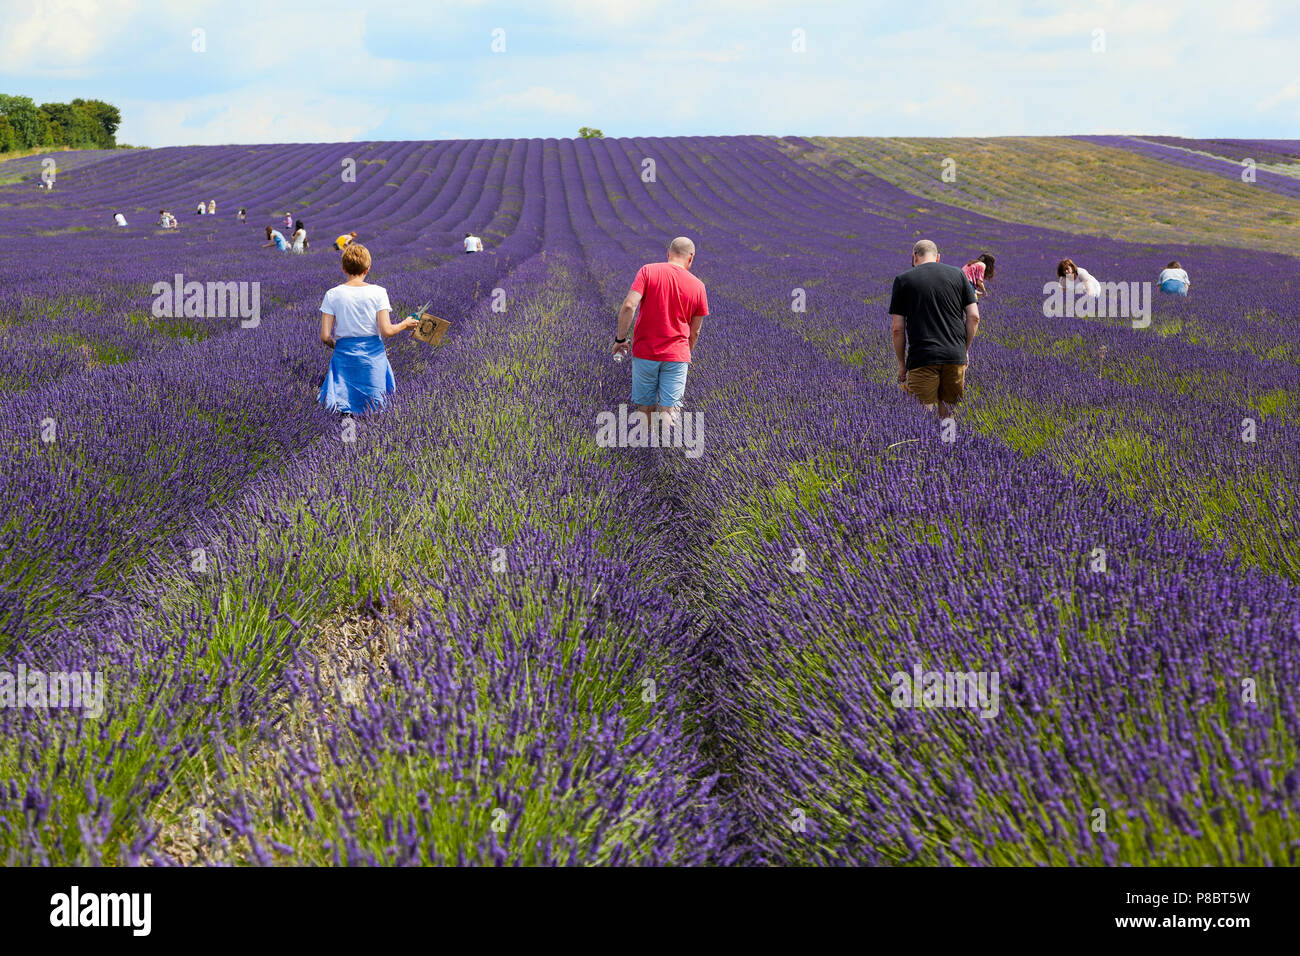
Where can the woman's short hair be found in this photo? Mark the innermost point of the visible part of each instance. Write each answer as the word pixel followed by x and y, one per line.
pixel 356 259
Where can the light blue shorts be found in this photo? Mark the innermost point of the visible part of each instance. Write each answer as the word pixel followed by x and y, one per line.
pixel 658 383
pixel 1173 287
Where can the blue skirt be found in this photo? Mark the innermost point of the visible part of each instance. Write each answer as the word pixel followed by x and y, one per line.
pixel 359 379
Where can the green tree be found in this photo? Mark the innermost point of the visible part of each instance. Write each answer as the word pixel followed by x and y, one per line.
pixel 590 132
pixel 24 118
pixel 106 116
pixel 8 140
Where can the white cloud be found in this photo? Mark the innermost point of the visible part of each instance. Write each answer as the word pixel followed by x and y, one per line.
pixel 1287 93
pixel 59 36
pixel 255 115
pixel 541 98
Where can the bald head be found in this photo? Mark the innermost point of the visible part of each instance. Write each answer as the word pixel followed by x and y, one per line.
pixel 681 250
pixel 924 251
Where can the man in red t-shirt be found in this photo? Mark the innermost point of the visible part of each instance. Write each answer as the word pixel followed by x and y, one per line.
pixel 673 306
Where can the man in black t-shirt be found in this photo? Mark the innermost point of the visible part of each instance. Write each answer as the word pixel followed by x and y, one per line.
pixel 934 319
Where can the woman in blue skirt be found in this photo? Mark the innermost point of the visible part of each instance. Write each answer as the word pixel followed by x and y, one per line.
pixel 354 322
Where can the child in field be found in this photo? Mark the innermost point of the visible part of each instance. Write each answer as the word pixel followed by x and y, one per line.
pixel 977 271
pixel 1174 280
pixel 1072 277
pixel 299 238
pixel 354 322
pixel 288 221
pixel 345 240
pixel 276 238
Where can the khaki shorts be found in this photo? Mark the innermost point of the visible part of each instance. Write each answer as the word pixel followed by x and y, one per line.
pixel 937 383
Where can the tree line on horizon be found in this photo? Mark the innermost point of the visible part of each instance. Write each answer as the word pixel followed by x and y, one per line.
pixel 81 124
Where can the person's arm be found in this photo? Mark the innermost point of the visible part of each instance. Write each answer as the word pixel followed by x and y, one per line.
pixel 386 327
pixel 695 330
pixel 898 329
pixel 327 329
pixel 972 324
pixel 626 313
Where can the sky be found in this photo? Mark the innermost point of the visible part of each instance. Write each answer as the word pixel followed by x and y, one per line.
pixel 346 70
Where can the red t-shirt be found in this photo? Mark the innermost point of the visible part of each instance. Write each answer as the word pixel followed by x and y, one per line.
pixel 670 298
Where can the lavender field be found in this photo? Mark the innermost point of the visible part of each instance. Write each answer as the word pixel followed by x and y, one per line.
pixel 473 635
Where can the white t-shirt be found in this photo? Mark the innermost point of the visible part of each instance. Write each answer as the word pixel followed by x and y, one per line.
pixel 119 219
pixel 1179 275
pixel 355 309
pixel 1085 280
pixel 472 244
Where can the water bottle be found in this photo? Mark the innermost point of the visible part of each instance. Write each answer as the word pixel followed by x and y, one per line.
pixel 618 356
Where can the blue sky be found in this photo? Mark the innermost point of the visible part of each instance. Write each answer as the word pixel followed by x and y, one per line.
pixel 328 71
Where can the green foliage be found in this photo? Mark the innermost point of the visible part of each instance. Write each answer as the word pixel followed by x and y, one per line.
pixel 589 132
pixel 81 124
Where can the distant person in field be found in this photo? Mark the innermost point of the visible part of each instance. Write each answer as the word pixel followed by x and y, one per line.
pixel 299 237
pixel 345 240
pixel 212 207
pixel 354 322
pixel 979 270
pixel 276 238
pixel 288 221
pixel 1073 278
pixel 933 321
pixel 167 220
pixel 202 209
pixel 243 215
pixel 673 306
pixel 1174 280
pixel 473 243
pixel 119 219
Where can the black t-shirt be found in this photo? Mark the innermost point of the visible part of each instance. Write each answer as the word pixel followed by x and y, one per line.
pixel 932 300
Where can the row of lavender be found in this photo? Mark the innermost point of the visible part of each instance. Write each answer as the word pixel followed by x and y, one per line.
pixel 1280 151
pixel 1285 184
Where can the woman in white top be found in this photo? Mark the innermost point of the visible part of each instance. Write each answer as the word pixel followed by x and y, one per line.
pixel 1173 279
pixel 299 238
pixel 212 207
pixel 1073 277
pixel 119 219
pixel 354 322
